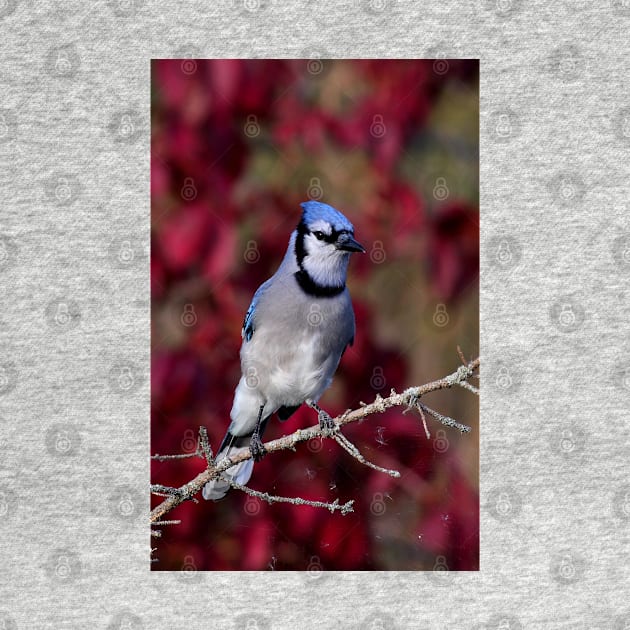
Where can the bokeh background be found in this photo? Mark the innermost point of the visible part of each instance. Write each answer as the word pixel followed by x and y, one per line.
pixel 236 146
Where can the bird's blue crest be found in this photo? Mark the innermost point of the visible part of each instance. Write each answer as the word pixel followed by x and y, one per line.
pixel 315 210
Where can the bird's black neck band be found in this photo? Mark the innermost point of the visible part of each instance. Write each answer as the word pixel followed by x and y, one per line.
pixel 309 286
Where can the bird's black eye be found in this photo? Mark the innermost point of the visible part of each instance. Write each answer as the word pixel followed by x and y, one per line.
pixel 319 235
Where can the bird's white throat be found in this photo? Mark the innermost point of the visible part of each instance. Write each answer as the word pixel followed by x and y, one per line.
pixel 328 267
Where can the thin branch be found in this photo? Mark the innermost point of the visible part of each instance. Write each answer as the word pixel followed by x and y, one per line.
pixel 445 420
pixel 164 458
pixel 424 421
pixel 333 507
pixel 168 491
pixel 461 356
pixel 157 488
pixel 469 387
pixel 205 446
pixel 354 451
pixel 380 405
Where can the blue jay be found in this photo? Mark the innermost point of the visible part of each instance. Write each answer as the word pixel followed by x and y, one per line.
pixel 297 327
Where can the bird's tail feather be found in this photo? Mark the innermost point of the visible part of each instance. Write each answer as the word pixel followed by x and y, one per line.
pixel 239 473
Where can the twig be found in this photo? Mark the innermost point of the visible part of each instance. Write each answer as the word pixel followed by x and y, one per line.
pixel 380 404
pixel 157 488
pixel 163 458
pixel 413 404
pixel 354 451
pixel 445 420
pixel 333 507
pixel 461 356
pixel 205 446
pixel 165 523
pixel 168 491
pixel 469 387
pixel 424 421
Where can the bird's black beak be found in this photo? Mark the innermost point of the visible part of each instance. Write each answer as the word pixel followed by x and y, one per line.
pixel 347 243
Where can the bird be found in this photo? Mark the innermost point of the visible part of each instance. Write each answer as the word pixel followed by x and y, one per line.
pixel 297 327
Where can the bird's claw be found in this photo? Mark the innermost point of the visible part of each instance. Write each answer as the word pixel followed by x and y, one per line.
pixel 327 424
pixel 257 448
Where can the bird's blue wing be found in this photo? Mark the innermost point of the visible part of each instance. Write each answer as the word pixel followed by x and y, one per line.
pixel 249 323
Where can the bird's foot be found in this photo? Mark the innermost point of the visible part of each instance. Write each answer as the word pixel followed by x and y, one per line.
pixel 327 424
pixel 257 448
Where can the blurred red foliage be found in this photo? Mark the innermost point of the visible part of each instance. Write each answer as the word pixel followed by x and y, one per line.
pixel 234 145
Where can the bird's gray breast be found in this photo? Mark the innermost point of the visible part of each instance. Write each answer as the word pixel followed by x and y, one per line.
pixel 298 341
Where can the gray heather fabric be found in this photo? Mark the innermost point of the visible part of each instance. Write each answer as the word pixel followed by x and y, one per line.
pixel 74 323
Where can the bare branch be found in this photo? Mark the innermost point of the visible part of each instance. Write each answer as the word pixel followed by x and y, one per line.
pixel 445 420
pixel 407 398
pixel 164 458
pixel 205 446
pixel 469 387
pixel 354 451
pixel 333 507
pixel 424 421
pixel 168 491
pixel 157 488
pixel 461 356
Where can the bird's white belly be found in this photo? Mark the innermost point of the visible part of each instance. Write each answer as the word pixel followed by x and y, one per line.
pixel 290 374
pixel 299 379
